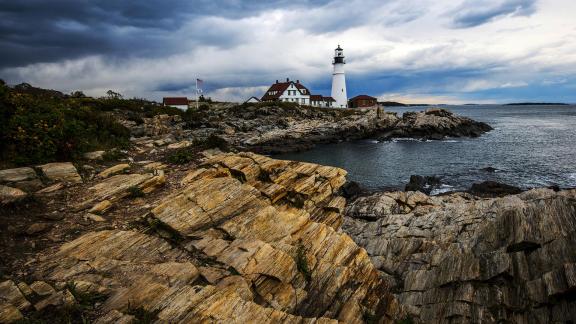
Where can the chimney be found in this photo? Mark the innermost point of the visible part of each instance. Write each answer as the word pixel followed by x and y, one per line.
pixel 298 81
pixel 276 81
pixel 287 79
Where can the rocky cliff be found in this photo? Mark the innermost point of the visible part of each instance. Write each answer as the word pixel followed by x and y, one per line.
pixel 462 259
pixel 237 238
pixel 246 238
pixel 276 128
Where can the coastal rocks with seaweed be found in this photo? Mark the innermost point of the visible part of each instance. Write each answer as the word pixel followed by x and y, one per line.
pixel 461 258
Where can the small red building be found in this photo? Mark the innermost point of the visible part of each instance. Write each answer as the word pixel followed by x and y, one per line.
pixel 362 101
pixel 178 102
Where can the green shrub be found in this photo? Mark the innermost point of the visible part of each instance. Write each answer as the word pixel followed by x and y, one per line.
pixel 215 141
pixel 142 315
pixel 38 129
pixel 113 155
pixel 181 156
pixel 302 262
pixel 135 192
pixel 406 320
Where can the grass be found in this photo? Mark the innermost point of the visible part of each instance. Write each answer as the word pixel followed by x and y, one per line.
pixel 181 156
pixel 142 315
pixel 113 155
pixel 135 192
pixel 302 263
pixel 406 320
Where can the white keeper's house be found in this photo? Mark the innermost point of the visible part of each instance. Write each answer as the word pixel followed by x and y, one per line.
pixel 291 91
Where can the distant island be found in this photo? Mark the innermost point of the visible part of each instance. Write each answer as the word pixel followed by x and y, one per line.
pixel 536 104
pixel 399 104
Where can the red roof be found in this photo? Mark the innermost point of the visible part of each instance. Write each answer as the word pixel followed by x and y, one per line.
pixel 175 101
pixel 363 97
pixel 280 87
pixel 321 98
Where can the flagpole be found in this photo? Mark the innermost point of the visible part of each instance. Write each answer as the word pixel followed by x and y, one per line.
pixel 196 93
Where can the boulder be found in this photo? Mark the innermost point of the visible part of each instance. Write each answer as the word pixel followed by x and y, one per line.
pixel 119 168
pixel 101 207
pixel 64 172
pixel 9 313
pixel 21 178
pixel 120 186
pixel 423 184
pixel 9 293
pixel 42 288
pixel 351 189
pixel 493 189
pixel 96 155
pixel 38 228
pixel 17 175
pixel 179 145
pixel 94 217
pixel 53 188
pixel 10 195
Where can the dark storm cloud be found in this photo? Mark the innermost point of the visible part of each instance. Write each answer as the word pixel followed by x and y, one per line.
pixel 475 13
pixel 34 31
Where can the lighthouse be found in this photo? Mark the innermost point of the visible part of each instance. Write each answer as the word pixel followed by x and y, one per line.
pixel 339 79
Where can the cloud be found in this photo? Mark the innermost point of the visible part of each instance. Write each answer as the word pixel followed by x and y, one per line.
pixel 472 13
pixel 152 49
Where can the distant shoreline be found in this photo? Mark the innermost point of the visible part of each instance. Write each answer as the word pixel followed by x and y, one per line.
pixel 399 104
pixel 537 104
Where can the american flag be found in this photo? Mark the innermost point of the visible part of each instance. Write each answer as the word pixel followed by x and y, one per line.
pixel 199 84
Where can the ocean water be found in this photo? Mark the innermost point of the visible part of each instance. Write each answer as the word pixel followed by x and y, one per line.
pixel 530 146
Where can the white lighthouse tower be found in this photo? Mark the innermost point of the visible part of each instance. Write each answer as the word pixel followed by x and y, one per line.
pixel 339 79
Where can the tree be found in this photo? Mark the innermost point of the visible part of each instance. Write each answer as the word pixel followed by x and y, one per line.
pixel 113 95
pixel 77 94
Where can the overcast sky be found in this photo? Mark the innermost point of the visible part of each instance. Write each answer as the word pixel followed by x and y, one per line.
pixel 433 51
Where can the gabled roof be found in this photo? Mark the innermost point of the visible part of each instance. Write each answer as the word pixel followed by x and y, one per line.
pixel 280 87
pixel 175 101
pixel 321 98
pixel 366 97
pixel 257 99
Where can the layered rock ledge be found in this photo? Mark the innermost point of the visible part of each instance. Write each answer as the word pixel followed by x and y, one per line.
pixel 244 238
pixel 279 128
pixel 462 259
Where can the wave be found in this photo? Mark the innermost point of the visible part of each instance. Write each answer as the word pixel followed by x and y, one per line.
pixel 406 139
pixel 443 189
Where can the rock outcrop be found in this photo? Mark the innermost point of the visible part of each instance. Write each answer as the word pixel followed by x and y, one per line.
pixel 435 124
pixel 245 238
pixel 460 259
pixel 269 128
pixel 493 189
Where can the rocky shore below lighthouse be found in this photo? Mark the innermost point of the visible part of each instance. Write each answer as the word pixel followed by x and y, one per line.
pixel 272 128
